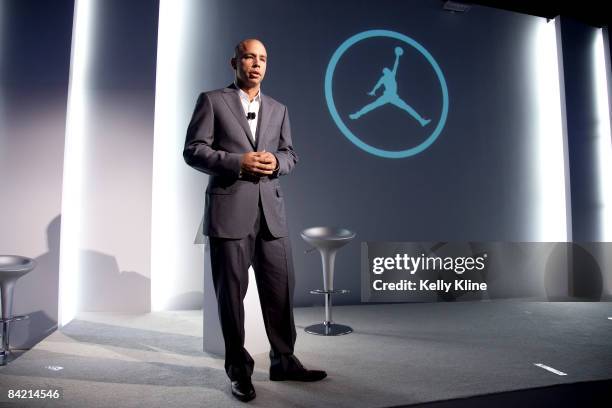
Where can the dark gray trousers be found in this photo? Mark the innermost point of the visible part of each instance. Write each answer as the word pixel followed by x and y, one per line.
pixel 273 265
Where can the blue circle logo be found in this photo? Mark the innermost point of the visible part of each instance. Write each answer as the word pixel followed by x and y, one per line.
pixel 389 96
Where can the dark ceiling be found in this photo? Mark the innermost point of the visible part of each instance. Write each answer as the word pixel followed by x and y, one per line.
pixel 591 12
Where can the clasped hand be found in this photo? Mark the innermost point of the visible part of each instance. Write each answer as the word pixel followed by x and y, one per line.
pixel 259 163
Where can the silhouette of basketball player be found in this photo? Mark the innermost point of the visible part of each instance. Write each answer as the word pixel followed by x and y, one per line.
pixel 390 94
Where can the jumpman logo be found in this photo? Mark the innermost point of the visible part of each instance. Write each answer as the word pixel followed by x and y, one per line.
pixel 390 94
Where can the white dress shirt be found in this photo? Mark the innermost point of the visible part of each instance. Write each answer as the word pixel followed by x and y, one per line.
pixel 251 106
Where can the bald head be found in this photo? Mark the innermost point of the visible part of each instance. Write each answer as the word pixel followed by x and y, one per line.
pixel 242 45
pixel 249 63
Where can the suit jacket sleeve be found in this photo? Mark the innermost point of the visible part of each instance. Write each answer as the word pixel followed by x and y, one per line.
pixel 285 155
pixel 199 152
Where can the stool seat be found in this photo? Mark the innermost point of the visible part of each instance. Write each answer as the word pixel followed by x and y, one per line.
pixel 327 237
pixel 328 240
pixel 12 267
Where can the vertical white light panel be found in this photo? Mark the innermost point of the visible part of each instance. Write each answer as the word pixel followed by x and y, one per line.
pixel 167 240
pixel 603 142
pixel 549 155
pixel 76 119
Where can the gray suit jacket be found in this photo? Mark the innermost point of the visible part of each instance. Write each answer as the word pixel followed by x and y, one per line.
pixel 217 137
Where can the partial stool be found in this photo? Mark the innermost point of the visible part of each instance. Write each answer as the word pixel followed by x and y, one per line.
pixel 328 241
pixel 12 267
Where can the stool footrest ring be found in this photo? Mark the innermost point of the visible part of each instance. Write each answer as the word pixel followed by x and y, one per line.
pixel 14 319
pixel 324 292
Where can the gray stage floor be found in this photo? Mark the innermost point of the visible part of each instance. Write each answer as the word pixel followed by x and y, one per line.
pixel 398 355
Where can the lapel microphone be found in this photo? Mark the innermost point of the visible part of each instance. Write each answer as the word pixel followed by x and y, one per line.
pixel 251 115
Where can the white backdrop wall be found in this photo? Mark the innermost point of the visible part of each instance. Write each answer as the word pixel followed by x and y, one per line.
pixel 34 65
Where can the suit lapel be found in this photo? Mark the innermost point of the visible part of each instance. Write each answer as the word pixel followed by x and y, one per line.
pixel 232 99
pixel 264 116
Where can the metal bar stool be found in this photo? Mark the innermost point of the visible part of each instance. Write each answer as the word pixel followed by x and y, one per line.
pixel 328 241
pixel 12 267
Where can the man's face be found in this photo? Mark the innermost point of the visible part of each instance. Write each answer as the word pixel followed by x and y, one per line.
pixel 250 63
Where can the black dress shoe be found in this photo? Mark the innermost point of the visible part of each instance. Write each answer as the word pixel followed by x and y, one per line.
pixel 298 375
pixel 243 390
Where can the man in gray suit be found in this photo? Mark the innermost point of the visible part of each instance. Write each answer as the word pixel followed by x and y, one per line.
pixel 242 140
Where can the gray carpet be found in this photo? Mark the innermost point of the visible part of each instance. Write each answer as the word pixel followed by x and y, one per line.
pixel 398 355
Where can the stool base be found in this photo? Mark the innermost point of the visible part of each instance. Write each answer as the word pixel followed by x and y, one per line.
pixel 328 329
pixel 4 357
pixel 5 353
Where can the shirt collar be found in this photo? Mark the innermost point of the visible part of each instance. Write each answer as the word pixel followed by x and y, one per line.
pixel 245 96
